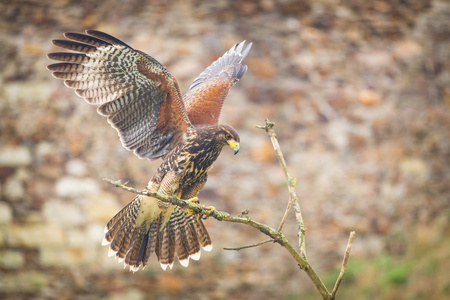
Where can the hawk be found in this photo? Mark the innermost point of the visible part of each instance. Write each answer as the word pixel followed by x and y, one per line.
pixel 143 102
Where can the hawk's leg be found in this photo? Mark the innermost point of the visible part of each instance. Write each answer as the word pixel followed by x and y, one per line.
pixel 191 193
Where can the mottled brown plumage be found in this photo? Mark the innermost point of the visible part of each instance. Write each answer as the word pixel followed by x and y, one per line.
pixel 143 102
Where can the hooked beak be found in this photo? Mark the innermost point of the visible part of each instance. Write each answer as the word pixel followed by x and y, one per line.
pixel 233 145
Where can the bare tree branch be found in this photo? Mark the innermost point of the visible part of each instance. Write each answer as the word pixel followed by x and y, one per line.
pixel 275 235
pixel 250 246
pixel 344 265
pixel 288 208
pixel 268 127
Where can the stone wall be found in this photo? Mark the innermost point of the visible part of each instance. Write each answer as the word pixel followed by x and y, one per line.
pixel 360 95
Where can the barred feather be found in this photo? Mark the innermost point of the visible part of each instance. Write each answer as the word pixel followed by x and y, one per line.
pixel 164 248
pixel 152 236
pixel 135 253
pixel 74 46
pixel 202 235
pixel 86 39
pixel 69 57
pixel 106 37
pixel 178 223
pixel 65 68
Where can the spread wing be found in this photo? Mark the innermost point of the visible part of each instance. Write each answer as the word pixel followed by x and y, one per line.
pixel 140 98
pixel 205 97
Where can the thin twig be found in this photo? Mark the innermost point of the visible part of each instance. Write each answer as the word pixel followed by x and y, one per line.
pixel 280 227
pixel 118 183
pixel 250 246
pixel 344 265
pixel 291 186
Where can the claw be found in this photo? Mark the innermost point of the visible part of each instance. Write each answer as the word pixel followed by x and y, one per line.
pixel 193 200
pixel 200 216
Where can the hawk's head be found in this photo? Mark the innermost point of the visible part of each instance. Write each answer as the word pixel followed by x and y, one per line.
pixel 227 135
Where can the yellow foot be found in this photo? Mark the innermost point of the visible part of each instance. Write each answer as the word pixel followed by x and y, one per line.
pixel 200 216
pixel 193 200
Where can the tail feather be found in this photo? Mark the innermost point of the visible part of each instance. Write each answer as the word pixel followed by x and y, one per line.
pixel 127 240
pixel 135 253
pixel 121 227
pixel 166 256
pixel 192 241
pixel 151 241
pixel 178 223
pixel 142 228
pixel 158 237
pixel 171 246
pixel 118 237
pixel 202 234
pixel 192 238
pixel 113 231
pixel 130 210
pixel 186 242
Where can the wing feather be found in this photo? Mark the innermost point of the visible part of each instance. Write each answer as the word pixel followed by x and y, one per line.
pixel 208 91
pixel 139 97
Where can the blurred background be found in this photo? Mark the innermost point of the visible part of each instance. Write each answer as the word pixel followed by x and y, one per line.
pixel 360 94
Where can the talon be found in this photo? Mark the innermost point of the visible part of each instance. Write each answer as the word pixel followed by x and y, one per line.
pixel 192 200
pixel 200 216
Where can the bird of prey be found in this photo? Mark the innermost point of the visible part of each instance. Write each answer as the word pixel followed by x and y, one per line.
pixel 143 102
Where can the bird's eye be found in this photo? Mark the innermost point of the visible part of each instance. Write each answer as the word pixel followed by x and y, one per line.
pixel 228 136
